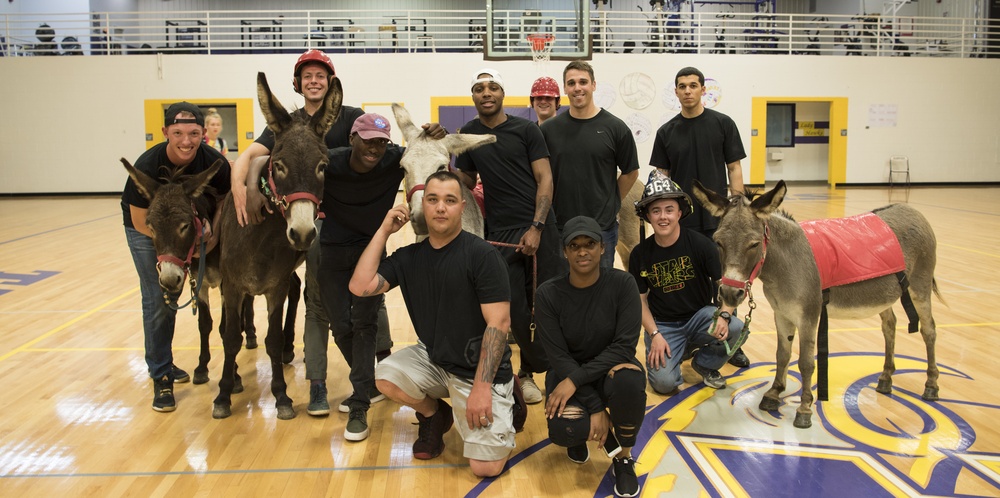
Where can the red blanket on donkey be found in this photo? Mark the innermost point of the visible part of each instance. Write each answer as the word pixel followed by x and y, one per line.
pixel 849 250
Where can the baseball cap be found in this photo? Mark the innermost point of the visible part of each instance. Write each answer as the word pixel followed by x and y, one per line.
pixel 371 125
pixel 170 115
pixel 581 225
pixel 494 77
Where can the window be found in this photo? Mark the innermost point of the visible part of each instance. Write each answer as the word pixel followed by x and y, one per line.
pixel 780 125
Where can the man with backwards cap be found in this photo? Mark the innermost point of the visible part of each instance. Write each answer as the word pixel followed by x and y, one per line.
pixel 589 322
pixel 184 129
pixel 544 98
pixel 517 187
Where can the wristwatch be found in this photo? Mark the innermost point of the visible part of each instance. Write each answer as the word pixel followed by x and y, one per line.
pixel 539 225
pixel 725 316
pixel 653 333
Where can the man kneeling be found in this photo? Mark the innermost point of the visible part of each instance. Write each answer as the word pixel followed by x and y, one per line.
pixel 455 287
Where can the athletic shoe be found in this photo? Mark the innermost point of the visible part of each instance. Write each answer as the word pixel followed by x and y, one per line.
pixel 357 425
pixel 318 404
pixel 163 395
pixel 579 453
pixel 430 432
pixel 712 378
pixel 180 376
pixel 532 394
pixel 626 482
pixel 520 408
pixel 374 396
pixel 739 359
pixel 381 355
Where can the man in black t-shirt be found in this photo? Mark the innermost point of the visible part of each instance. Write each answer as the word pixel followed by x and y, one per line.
pixel 517 188
pixel 183 128
pixel 455 288
pixel 677 271
pixel 701 144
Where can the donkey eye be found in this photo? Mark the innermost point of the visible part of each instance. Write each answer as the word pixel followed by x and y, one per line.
pixel 184 227
pixel 442 167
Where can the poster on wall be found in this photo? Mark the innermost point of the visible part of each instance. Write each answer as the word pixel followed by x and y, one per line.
pixel 882 115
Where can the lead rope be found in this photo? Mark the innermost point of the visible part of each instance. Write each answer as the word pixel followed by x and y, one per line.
pixel 195 283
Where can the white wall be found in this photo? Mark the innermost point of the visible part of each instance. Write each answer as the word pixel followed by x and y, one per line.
pixel 69 119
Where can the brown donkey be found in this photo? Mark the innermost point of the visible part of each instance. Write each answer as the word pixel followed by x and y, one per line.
pixel 259 259
pixel 755 239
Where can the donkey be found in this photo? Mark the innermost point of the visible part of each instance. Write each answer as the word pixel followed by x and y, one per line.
pixel 259 259
pixel 174 218
pixel 630 225
pixel 751 228
pixel 425 156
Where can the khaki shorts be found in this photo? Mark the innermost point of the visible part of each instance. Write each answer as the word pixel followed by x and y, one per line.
pixel 412 371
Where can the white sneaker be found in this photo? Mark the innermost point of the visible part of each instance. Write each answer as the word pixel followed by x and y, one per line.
pixel 532 394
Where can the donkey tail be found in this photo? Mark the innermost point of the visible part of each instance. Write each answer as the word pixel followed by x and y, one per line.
pixel 937 292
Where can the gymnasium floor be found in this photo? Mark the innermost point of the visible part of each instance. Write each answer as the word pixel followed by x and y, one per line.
pixel 77 418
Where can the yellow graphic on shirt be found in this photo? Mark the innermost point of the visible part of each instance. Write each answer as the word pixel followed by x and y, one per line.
pixel 670 275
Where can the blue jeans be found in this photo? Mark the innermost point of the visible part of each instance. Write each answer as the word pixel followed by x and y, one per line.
pixel 157 317
pixel 610 242
pixel 711 355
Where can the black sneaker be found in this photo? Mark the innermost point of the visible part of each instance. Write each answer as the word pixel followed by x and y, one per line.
pixel 180 376
pixel 318 404
pixel 357 425
pixel 739 359
pixel 712 378
pixel 163 395
pixel 520 408
pixel 430 433
pixel 626 482
pixel 374 396
pixel 579 453
pixel 381 355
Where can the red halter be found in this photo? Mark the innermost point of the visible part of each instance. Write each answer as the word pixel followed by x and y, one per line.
pixel 756 269
pixel 409 194
pixel 282 201
pixel 185 264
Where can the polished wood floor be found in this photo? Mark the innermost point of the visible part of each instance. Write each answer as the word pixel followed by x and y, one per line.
pixel 76 417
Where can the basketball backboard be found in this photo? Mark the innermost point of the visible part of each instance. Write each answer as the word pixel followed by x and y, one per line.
pixel 508 25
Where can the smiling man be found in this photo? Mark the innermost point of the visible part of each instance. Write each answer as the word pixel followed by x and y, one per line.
pixel 587 145
pixel 544 98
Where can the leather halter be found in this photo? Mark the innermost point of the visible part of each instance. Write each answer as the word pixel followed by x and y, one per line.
pixel 756 269
pixel 283 201
pixel 186 263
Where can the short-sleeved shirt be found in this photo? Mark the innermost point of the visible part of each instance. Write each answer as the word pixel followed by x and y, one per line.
pixel 585 154
pixel 443 290
pixel 150 163
pixel 509 185
pixel 354 204
pixel 698 148
pixel 338 136
pixel 681 279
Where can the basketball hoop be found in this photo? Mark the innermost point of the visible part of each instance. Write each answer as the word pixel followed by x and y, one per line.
pixel 541 46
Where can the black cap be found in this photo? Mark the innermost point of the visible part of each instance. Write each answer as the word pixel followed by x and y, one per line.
pixel 581 225
pixel 170 116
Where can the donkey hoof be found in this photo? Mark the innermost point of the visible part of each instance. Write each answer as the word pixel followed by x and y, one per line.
pixel 251 343
pixel 803 421
pixel 200 377
pixel 287 357
pixel 221 411
pixel 768 404
pixel 238 386
pixel 884 387
pixel 930 394
pixel 285 412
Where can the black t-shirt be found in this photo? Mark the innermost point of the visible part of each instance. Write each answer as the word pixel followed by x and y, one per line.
pixel 588 331
pixel 338 136
pixel 443 290
pixel 150 163
pixel 584 155
pixel 509 185
pixel 698 148
pixel 355 203
pixel 681 279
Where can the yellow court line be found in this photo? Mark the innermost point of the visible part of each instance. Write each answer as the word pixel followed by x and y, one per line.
pixel 992 255
pixel 50 333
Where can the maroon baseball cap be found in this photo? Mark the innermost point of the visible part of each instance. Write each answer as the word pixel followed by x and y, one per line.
pixel 372 125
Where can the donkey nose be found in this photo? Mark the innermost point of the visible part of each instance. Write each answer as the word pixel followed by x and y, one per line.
pixel 302 239
pixel 171 283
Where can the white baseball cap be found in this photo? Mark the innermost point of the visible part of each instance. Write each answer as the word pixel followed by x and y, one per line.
pixel 494 77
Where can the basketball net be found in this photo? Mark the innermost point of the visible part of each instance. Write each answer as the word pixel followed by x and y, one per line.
pixel 541 47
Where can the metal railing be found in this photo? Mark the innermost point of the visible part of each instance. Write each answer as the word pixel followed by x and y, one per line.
pixel 366 31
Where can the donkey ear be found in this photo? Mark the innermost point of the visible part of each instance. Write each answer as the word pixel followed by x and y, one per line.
pixel 714 203
pixel 328 114
pixel 404 123
pixel 146 184
pixel 764 205
pixel 461 142
pixel 277 117
pixel 195 185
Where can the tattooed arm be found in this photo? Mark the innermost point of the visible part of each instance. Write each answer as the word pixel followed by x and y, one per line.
pixel 543 201
pixel 480 402
pixel 366 281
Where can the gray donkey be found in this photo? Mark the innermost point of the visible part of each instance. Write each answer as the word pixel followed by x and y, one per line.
pixel 755 239
pixel 425 156
pixel 259 259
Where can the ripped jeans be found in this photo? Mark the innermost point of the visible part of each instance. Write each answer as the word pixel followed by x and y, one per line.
pixel 623 394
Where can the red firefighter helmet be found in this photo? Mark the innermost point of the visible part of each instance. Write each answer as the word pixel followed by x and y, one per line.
pixel 310 56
